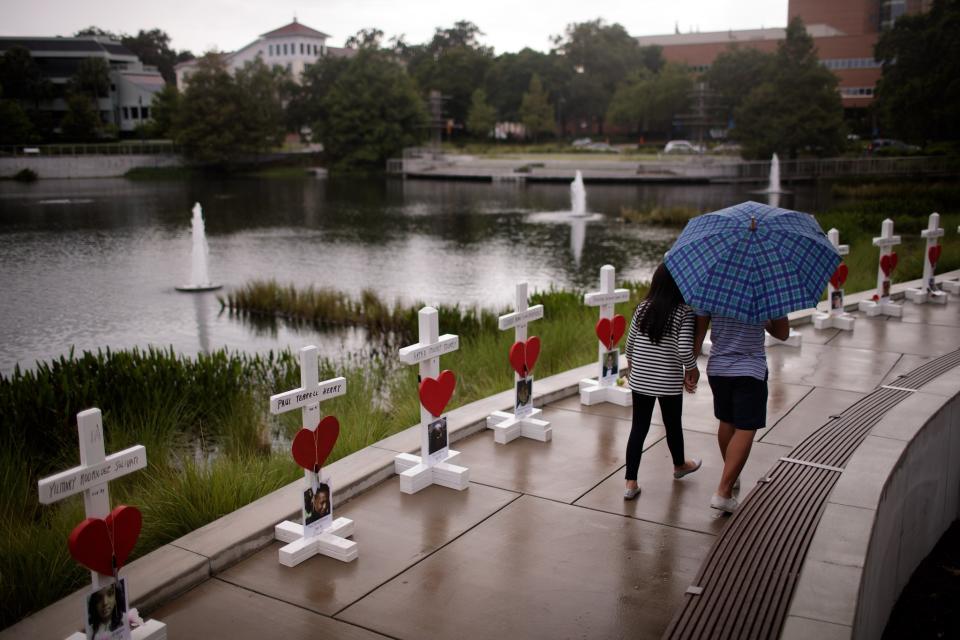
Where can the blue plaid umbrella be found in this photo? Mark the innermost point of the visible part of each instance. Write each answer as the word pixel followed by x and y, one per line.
pixel 752 262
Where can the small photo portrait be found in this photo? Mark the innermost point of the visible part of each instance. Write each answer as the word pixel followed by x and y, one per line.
pixel 321 501
pixel 107 613
pixel 610 364
pixel 932 285
pixel 437 436
pixel 836 299
pixel 524 399
pixel 886 289
pixel 317 506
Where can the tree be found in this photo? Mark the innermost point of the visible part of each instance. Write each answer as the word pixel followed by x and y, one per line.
pixel 81 122
pixel 15 126
pixel 536 114
pixel 454 63
pixel 210 123
pixel 153 48
pixel 649 101
pixel 508 78
pixel 96 32
pixel 163 112
pixel 308 102
pixel 261 92
pixel 365 39
pixel 92 78
pixel 22 79
pixel 797 107
pixel 736 72
pixel 482 116
pixel 372 112
pixel 599 57
pixel 918 96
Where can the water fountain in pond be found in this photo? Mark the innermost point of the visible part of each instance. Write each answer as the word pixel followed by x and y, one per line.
pixel 773 190
pixel 199 278
pixel 578 196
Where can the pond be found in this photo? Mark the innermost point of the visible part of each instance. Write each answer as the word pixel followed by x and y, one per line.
pixel 91 264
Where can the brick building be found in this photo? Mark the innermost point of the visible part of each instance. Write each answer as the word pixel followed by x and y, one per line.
pixel 844 32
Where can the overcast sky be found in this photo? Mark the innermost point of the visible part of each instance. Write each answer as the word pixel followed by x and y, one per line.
pixel 509 25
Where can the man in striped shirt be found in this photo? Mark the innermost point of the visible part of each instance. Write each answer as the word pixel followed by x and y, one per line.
pixel 737 372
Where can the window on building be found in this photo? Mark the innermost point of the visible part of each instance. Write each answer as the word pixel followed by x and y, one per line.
pixel 126 113
pixel 314 49
pixel 270 49
pixel 284 49
pixel 301 48
pixel 145 113
pixel 890 11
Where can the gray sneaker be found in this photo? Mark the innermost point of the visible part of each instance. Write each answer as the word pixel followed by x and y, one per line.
pixel 630 494
pixel 723 504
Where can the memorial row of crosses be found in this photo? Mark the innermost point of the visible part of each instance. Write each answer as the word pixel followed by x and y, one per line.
pixel 104 540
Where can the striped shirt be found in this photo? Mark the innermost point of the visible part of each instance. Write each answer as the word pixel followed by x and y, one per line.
pixel 737 349
pixel 657 369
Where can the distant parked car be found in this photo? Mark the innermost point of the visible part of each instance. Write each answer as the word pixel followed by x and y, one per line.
pixel 731 148
pixel 888 147
pixel 682 146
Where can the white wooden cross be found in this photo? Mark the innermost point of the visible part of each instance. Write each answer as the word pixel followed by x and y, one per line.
pixel 91 478
pixel 418 472
pixel 928 290
pixel 303 542
pixel 509 426
pixel 953 286
pixel 835 317
pixel 883 305
pixel 600 390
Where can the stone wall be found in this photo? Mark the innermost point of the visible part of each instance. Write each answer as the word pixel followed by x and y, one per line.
pixel 106 166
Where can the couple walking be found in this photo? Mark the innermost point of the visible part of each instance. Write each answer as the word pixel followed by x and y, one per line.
pixel 662 347
pixel 741 269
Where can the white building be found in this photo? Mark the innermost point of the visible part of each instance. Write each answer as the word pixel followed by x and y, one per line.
pixel 293 46
pixel 132 84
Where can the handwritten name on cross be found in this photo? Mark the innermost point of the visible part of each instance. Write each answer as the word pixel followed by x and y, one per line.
pixel 523 315
pixel 311 391
pixel 607 297
pixel 426 352
pixel 96 469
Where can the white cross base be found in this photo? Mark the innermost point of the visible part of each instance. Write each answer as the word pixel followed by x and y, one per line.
pixel 883 307
pixel 595 391
pixel 414 475
pixel 951 286
pixel 507 427
pixel 842 321
pixel 149 630
pixel 592 392
pixel 331 541
pixel 920 295
pixel 794 339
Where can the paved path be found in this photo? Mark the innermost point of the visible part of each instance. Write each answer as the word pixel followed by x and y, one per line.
pixel 542 545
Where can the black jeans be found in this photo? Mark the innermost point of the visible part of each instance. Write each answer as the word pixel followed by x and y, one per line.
pixel 671 407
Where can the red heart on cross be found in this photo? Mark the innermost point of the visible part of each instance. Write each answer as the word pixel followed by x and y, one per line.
pixel 524 355
pixel 99 544
pixel 435 393
pixel 888 263
pixel 933 253
pixel 839 276
pixel 609 332
pixel 311 448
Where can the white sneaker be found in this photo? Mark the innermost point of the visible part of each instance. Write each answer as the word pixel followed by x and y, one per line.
pixel 630 494
pixel 723 504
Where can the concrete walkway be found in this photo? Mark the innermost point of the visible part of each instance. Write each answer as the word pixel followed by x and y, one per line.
pixel 541 544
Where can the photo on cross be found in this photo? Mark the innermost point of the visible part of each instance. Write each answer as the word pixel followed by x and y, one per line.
pixel 106 612
pixel 610 365
pixel 317 506
pixel 524 399
pixel 437 438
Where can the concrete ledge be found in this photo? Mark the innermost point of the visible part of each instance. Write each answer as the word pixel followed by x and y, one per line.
pixel 898 494
pixel 154 578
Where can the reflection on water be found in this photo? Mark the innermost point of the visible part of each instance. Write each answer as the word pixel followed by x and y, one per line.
pixel 93 263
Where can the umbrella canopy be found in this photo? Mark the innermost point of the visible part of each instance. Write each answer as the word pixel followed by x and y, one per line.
pixel 752 262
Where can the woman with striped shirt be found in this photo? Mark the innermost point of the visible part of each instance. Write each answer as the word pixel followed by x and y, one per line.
pixel 662 365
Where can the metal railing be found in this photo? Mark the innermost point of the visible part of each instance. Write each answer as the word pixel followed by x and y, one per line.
pixel 809 169
pixel 122 149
